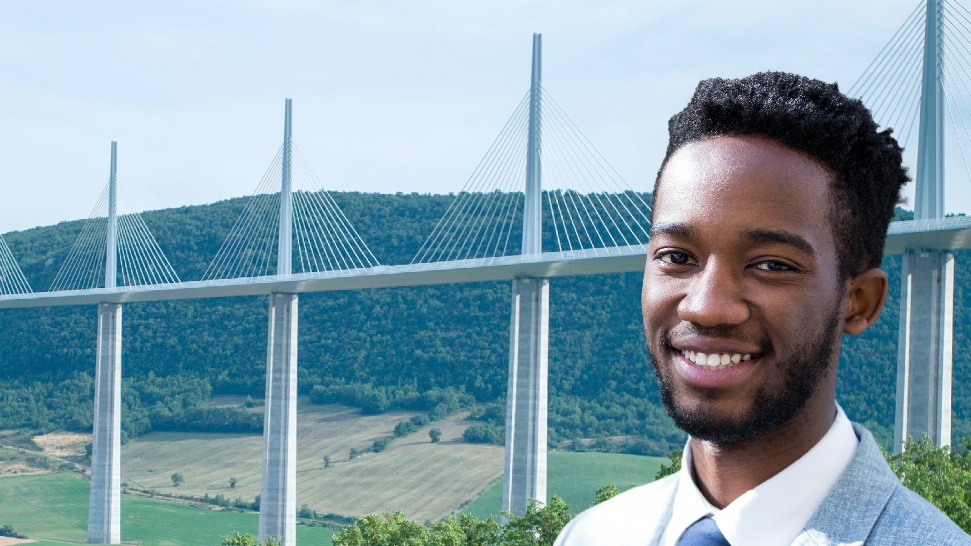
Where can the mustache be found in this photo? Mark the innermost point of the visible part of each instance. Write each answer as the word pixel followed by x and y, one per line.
pixel 722 331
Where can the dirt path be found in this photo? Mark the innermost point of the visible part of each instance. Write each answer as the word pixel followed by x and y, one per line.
pixel 9 541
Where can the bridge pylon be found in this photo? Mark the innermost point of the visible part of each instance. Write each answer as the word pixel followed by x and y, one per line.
pixel 104 501
pixel 524 475
pixel 924 358
pixel 278 496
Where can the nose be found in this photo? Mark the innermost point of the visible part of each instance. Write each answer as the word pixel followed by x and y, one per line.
pixel 714 297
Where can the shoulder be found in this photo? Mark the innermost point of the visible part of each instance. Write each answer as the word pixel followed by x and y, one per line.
pixel 908 518
pixel 632 517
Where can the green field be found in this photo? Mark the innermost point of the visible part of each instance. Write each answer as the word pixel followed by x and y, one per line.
pixel 53 508
pixel 576 476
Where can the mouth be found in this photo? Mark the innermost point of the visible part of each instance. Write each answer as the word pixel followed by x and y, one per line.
pixel 715 361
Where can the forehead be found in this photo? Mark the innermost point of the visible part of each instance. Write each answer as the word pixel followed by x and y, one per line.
pixel 737 183
pixel 749 173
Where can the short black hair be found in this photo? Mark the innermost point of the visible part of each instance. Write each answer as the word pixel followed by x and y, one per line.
pixel 814 118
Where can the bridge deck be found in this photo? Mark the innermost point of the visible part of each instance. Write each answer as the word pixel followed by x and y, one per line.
pixel 948 233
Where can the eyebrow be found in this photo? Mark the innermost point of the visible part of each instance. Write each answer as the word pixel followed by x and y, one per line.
pixel 766 236
pixel 674 229
pixel 755 236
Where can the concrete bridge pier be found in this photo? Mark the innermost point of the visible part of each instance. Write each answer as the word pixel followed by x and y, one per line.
pixel 278 496
pixel 927 276
pixel 924 348
pixel 104 508
pixel 524 477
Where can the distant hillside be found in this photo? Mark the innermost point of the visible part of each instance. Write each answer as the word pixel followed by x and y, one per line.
pixel 178 354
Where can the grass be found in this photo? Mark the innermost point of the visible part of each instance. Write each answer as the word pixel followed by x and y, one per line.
pixel 53 508
pixel 576 476
pixel 425 480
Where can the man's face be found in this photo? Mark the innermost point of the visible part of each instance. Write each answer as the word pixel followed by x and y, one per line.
pixel 742 296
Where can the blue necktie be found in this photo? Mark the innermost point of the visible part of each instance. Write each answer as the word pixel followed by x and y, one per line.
pixel 703 532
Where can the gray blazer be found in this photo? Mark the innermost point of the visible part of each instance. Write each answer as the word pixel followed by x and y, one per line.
pixel 868 505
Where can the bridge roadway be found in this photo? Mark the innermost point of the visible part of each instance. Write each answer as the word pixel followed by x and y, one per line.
pixel 952 233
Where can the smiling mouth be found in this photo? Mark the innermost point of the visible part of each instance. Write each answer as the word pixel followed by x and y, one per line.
pixel 715 361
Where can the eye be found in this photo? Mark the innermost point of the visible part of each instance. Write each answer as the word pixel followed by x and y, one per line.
pixel 676 258
pixel 773 265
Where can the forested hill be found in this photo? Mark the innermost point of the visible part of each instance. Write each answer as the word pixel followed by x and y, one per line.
pixel 398 341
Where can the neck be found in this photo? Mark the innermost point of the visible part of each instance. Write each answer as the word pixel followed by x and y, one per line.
pixel 724 473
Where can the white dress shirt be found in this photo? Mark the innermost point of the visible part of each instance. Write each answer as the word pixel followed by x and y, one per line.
pixel 775 511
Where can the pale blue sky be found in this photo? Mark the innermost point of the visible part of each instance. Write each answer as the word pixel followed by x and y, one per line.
pixel 388 96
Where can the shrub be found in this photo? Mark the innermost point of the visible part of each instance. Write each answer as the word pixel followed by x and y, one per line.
pixel 435 434
pixel 411 426
pixel 485 434
pixel 604 445
pixel 8 531
pixel 381 444
pixel 210 420
pixel 404 428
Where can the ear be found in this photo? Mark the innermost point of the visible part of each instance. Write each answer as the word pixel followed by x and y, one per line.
pixel 866 292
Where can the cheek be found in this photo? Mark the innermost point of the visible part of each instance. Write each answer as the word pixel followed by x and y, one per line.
pixel 791 317
pixel 659 298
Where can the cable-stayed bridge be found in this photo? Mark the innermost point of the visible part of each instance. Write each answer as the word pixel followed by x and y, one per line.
pixel 542 203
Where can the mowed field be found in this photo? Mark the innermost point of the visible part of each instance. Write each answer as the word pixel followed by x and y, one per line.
pixel 424 480
pixel 53 509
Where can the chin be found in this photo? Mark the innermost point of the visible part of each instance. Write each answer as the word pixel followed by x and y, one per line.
pixel 771 407
pixel 707 422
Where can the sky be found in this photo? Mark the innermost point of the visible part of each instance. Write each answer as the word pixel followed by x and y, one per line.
pixel 387 96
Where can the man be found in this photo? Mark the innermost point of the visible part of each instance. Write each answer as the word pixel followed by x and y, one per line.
pixel 770 213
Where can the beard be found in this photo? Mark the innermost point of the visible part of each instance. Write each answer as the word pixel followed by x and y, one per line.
pixel 770 409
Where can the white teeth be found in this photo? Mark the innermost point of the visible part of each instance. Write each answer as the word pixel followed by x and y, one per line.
pixel 715 361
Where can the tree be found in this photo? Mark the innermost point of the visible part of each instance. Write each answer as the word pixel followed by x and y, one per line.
pixel 938 474
pixel 606 493
pixel 538 527
pixel 177 479
pixel 326 461
pixel 354 453
pixel 232 483
pixel 673 468
pixel 250 540
pixel 435 434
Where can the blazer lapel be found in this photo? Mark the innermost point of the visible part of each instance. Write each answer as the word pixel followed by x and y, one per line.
pixel 849 512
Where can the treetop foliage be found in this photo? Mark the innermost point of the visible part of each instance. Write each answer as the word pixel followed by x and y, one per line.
pixel 938 474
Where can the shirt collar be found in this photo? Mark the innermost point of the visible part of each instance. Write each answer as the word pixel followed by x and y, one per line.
pixel 775 511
